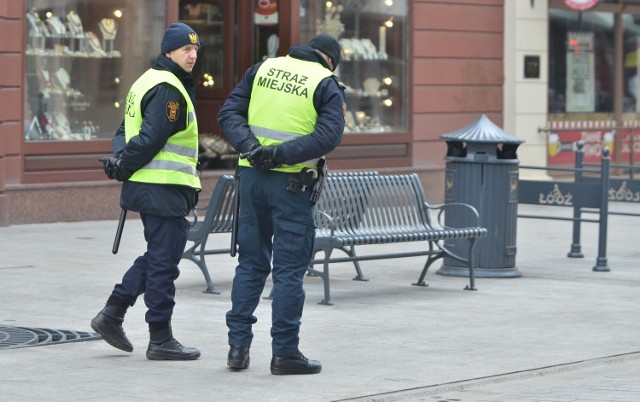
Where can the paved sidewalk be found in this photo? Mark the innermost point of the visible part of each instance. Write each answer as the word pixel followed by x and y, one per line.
pixel 561 332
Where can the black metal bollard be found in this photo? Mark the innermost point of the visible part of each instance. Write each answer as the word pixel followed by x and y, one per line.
pixel 576 248
pixel 601 260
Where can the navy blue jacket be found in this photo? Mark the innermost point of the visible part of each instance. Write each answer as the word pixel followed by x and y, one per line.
pixel 328 101
pixel 165 200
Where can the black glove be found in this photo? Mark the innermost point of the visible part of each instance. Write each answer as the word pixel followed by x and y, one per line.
pixel 263 158
pixel 114 169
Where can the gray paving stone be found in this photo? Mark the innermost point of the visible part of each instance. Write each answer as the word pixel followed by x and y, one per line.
pixel 561 332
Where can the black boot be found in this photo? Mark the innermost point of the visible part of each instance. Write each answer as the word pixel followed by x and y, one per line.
pixel 108 323
pixel 163 346
pixel 294 364
pixel 238 357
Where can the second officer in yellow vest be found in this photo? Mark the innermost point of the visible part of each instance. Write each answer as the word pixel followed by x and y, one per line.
pixel 283 116
pixel 155 154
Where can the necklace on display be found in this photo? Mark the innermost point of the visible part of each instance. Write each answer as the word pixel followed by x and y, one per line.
pixel 33 23
pixel 43 28
pixel 75 23
pixel 108 28
pixel 56 26
pixel 94 44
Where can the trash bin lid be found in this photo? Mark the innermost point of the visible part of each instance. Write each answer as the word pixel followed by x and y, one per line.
pixel 482 131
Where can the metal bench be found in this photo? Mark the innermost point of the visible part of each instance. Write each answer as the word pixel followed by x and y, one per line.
pixel 218 218
pixel 355 209
pixel 367 209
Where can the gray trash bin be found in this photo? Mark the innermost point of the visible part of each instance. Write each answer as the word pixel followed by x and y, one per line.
pixel 482 170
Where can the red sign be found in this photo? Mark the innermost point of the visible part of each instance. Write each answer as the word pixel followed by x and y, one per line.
pixel 562 145
pixel 581 4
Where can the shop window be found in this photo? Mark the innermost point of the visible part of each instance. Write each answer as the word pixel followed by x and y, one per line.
pixel 374 40
pixel 81 58
pixel 208 21
pixel 631 60
pixel 581 62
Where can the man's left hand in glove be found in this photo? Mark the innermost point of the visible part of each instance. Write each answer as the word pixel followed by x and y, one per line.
pixel 263 158
pixel 114 169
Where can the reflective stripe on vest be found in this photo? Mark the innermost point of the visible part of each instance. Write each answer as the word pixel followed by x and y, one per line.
pixel 281 107
pixel 278 137
pixel 177 160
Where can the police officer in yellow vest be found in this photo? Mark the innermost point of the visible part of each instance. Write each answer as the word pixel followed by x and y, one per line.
pixel 155 155
pixel 284 115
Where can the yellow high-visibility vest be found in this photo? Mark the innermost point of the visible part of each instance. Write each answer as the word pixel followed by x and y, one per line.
pixel 281 107
pixel 177 160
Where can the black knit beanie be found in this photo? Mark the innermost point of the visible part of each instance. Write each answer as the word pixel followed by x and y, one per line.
pixel 178 35
pixel 328 45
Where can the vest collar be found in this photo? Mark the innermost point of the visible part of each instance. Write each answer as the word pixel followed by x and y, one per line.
pixel 307 53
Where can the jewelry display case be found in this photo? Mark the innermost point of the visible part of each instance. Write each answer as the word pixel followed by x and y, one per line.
pixel 207 19
pixel 75 77
pixel 373 36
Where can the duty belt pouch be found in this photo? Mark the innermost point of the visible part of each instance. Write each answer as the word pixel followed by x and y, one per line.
pixel 316 191
pixel 303 180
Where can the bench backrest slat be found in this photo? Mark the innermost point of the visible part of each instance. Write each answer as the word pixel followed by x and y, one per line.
pixel 219 213
pixel 369 203
pixel 396 204
pixel 344 198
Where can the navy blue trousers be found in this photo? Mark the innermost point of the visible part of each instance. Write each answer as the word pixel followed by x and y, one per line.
pixel 154 272
pixel 275 226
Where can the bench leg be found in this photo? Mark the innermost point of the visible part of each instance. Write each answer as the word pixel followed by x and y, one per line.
pixel 471 261
pixel 430 260
pixel 433 257
pixel 199 260
pixel 351 252
pixel 325 277
pixel 311 271
pixel 205 271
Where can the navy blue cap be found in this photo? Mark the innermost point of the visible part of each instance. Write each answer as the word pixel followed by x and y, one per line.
pixel 178 35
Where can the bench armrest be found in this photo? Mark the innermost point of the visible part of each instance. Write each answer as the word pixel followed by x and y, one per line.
pixel 459 209
pixel 194 213
pixel 324 221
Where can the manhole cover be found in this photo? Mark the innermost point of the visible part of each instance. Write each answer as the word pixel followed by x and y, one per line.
pixel 20 337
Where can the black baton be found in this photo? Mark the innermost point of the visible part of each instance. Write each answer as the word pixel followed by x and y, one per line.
pixel 116 241
pixel 236 210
